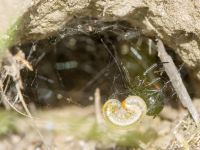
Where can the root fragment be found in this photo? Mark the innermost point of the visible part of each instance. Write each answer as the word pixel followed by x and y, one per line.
pixel 176 81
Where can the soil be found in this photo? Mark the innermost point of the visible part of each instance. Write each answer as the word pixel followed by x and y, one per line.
pixel 174 130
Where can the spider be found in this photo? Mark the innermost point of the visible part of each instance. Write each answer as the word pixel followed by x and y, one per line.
pixel 145 96
pixel 143 91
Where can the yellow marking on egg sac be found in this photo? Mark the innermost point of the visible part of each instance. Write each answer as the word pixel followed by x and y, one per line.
pixel 119 114
pixel 123 104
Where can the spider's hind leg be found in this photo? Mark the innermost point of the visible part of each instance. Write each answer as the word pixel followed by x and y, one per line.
pixel 153 66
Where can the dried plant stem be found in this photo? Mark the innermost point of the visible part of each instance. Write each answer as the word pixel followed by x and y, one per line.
pixel 22 100
pixel 176 81
pixel 97 101
pixel 13 70
pixel 34 125
pixel 2 93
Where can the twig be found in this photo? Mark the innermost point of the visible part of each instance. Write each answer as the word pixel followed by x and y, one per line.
pixel 2 93
pixel 97 103
pixel 13 70
pixel 176 81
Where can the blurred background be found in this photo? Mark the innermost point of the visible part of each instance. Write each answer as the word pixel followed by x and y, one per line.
pixel 66 78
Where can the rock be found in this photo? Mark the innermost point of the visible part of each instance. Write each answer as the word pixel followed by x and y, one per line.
pixel 177 23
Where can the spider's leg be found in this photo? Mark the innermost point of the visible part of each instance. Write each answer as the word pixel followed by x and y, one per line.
pixel 166 83
pixel 152 67
pixel 153 92
pixel 150 46
pixel 154 81
pixel 135 53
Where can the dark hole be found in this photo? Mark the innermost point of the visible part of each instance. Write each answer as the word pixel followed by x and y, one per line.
pixel 68 67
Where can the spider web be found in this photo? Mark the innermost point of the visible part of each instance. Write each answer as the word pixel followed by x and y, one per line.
pixel 85 55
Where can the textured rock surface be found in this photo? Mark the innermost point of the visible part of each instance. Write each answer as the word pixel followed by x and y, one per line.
pixel 176 22
pixel 47 17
